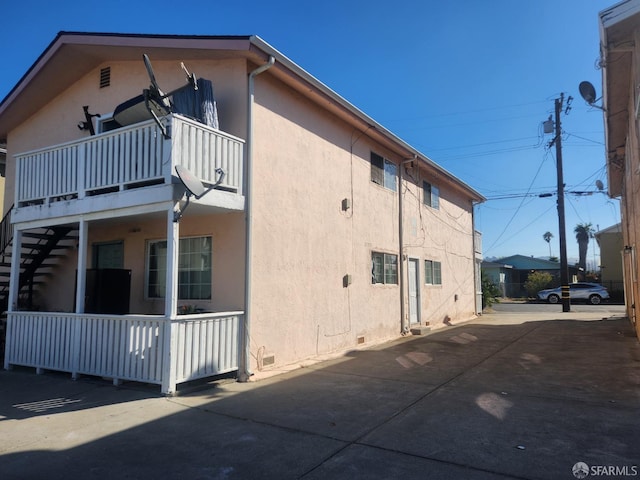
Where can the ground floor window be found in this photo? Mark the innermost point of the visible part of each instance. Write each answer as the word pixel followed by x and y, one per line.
pixel 194 268
pixel 384 268
pixel 432 272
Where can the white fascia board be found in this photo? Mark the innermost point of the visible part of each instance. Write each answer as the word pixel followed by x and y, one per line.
pixel 619 12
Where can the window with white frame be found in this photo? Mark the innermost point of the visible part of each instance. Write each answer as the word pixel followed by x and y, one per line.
pixel 431 195
pixel 383 171
pixel 194 268
pixel 384 268
pixel 432 272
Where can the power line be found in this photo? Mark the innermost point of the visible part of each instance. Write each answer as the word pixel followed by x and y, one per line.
pixel 519 206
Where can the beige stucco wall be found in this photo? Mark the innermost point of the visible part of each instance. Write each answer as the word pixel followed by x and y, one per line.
pixel 306 163
pixel 630 204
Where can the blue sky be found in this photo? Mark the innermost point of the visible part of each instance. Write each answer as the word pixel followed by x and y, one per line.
pixel 466 82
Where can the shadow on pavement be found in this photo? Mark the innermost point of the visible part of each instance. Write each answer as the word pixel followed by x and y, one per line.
pixel 477 401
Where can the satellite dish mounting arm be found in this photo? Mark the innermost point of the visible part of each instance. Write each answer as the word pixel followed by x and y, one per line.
pixel 154 96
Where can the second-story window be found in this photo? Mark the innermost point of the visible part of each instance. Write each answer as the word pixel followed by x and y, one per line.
pixel 431 195
pixel 383 171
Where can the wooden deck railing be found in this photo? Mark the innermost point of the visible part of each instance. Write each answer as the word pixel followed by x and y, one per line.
pixel 126 158
pixel 128 347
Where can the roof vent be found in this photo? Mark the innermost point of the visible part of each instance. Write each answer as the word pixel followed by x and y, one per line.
pixel 105 77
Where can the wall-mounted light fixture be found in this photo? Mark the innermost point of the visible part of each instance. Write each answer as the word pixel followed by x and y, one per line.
pixel 87 123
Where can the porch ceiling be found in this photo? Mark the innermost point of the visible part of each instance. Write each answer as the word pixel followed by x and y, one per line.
pixel 148 203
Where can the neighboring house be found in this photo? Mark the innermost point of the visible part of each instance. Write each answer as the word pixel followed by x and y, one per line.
pixel 318 231
pixel 522 266
pixel 611 252
pixel 500 274
pixel 620 60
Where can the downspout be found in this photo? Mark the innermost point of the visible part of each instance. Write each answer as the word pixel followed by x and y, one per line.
pixel 477 270
pixel 404 328
pixel 244 367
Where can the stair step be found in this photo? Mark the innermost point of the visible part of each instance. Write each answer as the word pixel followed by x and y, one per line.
pixel 34 255
pixel 46 236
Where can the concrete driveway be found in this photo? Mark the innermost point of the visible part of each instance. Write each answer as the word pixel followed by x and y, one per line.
pixel 510 395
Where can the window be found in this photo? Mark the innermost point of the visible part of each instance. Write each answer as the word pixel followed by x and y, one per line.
pixel 383 171
pixel 194 269
pixel 431 195
pixel 384 268
pixel 106 123
pixel 432 272
pixel 108 255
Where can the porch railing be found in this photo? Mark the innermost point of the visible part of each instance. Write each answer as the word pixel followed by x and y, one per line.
pixel 129 347
pixel 126 158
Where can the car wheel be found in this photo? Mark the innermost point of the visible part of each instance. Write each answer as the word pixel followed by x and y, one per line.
pixel 595 299
pixel 553 298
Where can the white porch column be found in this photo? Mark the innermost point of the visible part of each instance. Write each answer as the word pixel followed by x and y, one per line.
pixel 14 279
pixel 14 285
pixel 81 275
pixel 170 305
pixel 81 282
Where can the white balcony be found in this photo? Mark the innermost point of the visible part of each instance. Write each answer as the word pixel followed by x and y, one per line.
pixel 128 168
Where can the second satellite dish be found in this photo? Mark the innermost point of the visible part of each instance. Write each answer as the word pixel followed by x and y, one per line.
pixel 588 92
pixel 193 185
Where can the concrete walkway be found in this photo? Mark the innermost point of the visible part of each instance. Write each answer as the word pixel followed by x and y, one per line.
pixel 506 396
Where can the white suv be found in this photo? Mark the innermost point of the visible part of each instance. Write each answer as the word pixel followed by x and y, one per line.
pixel 590 292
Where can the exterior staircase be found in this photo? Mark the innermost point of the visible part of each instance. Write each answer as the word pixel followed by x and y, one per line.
pixel 41 250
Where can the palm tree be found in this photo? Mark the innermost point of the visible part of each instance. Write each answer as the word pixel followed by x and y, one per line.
pixel 547 238
pixel 583 232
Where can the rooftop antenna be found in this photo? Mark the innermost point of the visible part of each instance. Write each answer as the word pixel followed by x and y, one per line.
pixel 588 92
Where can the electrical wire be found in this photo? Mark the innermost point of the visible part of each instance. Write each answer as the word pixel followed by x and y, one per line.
pixel 519 206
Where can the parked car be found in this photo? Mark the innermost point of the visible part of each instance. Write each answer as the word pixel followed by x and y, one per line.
pixel 589 292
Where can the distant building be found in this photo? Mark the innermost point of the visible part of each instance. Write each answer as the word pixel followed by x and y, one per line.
pixel 611 251
pixel 499 274
pixel 520 268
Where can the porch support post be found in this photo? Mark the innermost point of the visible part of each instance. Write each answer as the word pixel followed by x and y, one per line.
pixel 14 286
pixel 14 279
pixel 81 274
pixel 81 281
pixel 169 363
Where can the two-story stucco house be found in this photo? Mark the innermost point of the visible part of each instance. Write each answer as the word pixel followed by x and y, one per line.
pixel 248 224
pixel 620 60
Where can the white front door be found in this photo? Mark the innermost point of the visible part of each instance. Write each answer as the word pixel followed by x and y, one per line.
pixel 414 291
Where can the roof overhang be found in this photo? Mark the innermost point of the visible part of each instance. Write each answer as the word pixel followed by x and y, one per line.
pixel 74 54
pixel 617 26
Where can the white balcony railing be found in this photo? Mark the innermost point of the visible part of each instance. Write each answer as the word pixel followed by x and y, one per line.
pixel 127 347
pixel 130 157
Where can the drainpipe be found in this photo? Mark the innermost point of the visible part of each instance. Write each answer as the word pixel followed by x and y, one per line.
pixel 404 327
pixel 244 372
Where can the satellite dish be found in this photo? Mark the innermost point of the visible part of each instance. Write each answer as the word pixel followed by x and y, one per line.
pixel 588 92
pixel 193 185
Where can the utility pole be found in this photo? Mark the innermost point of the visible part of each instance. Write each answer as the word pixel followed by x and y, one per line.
pixel 564 268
